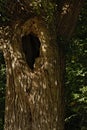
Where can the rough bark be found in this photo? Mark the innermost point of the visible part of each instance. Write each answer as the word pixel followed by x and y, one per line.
pixel 67 17
pixel 34 95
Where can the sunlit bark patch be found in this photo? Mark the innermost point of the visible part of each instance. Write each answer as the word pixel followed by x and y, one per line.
pixel 65 9
pixel 31 48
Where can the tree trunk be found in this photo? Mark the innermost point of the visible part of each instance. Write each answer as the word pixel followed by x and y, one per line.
pixel 34 100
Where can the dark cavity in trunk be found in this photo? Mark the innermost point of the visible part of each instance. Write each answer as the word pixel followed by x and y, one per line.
pixel 31 48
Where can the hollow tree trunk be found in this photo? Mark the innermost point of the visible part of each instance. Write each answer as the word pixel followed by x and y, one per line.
pixel 33 94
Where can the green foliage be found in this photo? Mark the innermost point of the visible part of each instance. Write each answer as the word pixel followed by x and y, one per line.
pixel 2 90
pixel 76 77
pixel 44 8
pixel 47 8
pixel 3 17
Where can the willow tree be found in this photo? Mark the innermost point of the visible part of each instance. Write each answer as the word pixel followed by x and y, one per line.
pixel 33 41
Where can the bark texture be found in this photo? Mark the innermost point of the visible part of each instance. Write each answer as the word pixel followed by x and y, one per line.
pixel 33 97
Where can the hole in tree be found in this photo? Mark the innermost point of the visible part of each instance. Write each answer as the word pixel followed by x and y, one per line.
pixel 31 48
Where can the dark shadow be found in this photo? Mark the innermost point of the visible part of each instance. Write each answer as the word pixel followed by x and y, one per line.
pixel 31 48
pixel 2 90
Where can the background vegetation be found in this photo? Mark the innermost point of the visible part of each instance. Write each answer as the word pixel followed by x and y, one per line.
pixel 76 76
pixel 2 89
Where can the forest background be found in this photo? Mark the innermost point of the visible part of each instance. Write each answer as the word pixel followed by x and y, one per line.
pixel 75 78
